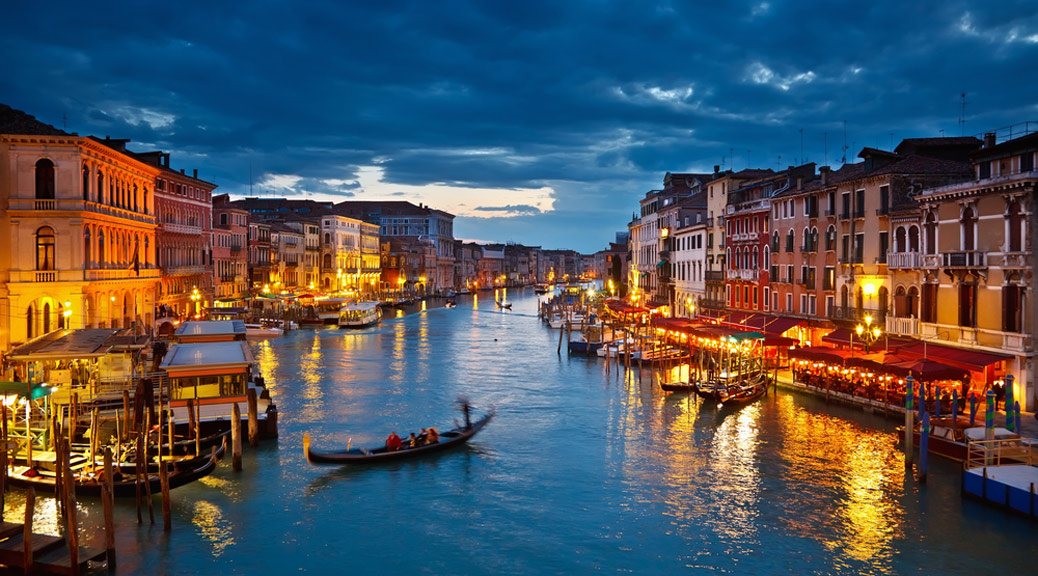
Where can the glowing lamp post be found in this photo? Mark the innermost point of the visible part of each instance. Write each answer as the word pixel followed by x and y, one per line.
pixel 868 333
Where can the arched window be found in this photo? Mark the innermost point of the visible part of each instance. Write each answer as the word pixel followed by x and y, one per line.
pixel 1014 221
pixel 969 223
pixel 930 226
pixel 913 239
pixel 899 240
pixel 144 199
pixel 790 240
pixel 756 258
pixel 87 247
pixel 882 296
pixel 100 187
pixel 806 246
pixel 767 259
pixel 101 257
pixel 830 238
pixel 327 261
pixel 86 183
pixel 134 197
pixel 29 317
pixel 46 318
pixel 775 240
pixel 814 239
pixel 45 248
pixel 44 179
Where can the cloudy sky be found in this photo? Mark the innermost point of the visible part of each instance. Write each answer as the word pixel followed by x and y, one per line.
pixel 537 122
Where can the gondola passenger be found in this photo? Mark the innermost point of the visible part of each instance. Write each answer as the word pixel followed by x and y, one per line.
pixel 412 441
pixel 393 442
pixel 432 436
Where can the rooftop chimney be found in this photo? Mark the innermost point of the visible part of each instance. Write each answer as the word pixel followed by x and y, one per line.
pixel 989 139
pixel 195 173
pixel 824 172
pixel 716 168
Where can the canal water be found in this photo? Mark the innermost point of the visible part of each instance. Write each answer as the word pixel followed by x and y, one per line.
pixel 581 471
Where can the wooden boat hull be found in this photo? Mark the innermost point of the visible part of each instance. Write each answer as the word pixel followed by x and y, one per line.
pixel 678 387
pixel 125 487
pixel 450 439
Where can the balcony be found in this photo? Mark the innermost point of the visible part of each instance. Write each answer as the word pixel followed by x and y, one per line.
pixel 743 274
pixel 78 205
pixel 903 326
pixel 1016 260
pixel 963 259
pixel 120 274
pixel 903 260
pixel 829 212
pixel 856 315
pixel 745 236
pixel 1019 343
pixel 181 228
pixel 714 276
pixel 46 276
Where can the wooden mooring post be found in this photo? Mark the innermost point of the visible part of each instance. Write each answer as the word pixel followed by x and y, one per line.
pixel 108 502
pixel 236 438
pixel 191 420
pixel 30 507
pixel 253 418
pixel 126 416
pixel 167 511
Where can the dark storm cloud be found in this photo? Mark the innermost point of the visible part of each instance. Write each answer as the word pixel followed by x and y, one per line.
pixel 595 100
pixel 510 209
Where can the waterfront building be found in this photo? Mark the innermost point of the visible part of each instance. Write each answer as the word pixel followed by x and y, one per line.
pixel 184 236
pixel 714 300
pixel 688 256
pixel 468 255
pixel 288 247
pixel 230 257
pixel 749 238
pixel 490 268
pixel 400 218
pixel 977 267
pixel 259 255
pixel 611 265
pixel 79 233
pixel 340 253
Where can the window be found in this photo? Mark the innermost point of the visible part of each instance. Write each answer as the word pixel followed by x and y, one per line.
pixel 829 279
pixel 859 203
pixel 1027 162
pixel 767 297
pixel 1015 224
pixel 884 242
pixel 859 248
pixel 775 241
pixel 45 248
pixel 845 208
pixel 928 313
pixel 968 224
pixel 845 244
pixel 884 199
pixel 86 183
pixel 803 303
pixel 789 303
pixel 44 179
pixel 1012 320
pixel 789 241
pixel 984 170
pixel 968 304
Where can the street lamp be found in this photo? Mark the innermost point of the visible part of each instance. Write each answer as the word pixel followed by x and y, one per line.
pixel 868 333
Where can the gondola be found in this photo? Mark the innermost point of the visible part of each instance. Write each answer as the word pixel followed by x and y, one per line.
pixel 732 393
pixel 449 439
pixel 504 306
pixel 678 386
pixel 124 486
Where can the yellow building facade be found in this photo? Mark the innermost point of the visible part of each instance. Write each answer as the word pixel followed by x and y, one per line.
pixel 77 221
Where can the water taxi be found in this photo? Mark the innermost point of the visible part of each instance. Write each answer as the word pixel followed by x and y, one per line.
pixel 359 314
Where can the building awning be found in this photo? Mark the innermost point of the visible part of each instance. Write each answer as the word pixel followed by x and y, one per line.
pixel 652 304
pixel 973 360
pixel 738 318
pixel 840 336
pixel 707 314
pixel 775 341
pixel 778 326
pixel 660 263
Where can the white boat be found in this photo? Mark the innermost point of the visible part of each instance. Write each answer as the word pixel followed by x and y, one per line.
pixel 359 314
pixel 262 331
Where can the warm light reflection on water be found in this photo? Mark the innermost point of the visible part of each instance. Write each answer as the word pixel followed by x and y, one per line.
pixel 209 520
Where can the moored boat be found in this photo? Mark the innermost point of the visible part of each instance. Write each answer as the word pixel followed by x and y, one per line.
pixel 262 331
pixel 123 486
pixel 951 437
pixel 448 439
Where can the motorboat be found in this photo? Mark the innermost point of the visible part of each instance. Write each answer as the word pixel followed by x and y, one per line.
pixel 360 314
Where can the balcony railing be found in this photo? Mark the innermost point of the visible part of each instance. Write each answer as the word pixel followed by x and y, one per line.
pixel 714 275
pixel 929 261
pixel 743 274
pixel 854 314
pixel 902 326
pixel 181 228
pixel 963 259
pixel 46 205
pixel 1015 260
pixel 902 260
pixel 46 276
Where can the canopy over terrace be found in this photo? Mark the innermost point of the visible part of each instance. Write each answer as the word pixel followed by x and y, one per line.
pixel 80 344
pixel 621 307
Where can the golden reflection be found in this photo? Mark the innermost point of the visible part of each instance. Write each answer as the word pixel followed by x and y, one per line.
pixel 423 306
pixel 268 363
pixel 213 526
pixel 860 464
pixel 310 369
pixel 399 313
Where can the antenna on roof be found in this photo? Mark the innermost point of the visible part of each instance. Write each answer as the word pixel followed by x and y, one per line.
pixel 250 177
pixel 962 118
pixel 825 139
pixel 843 160
pixel 802 159
pixel 891 141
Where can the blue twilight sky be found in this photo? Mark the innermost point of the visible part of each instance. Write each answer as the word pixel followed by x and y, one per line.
pixel 537 122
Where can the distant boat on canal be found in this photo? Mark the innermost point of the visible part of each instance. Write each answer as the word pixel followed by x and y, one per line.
pixel 449 439
pixel 359 314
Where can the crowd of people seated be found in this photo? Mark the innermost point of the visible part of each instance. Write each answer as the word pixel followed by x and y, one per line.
pixel 884 388
pixel 427 436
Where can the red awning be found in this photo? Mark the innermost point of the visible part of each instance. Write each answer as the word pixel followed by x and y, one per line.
pixel 653 304
pixel 973 360
pixel 779 341
pixel 841 336
pixel 829 355
pixel 738 318
pixel 778 326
